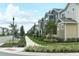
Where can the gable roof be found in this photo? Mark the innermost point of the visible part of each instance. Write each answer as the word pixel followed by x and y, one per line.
pixel 65 7
pixel 57 10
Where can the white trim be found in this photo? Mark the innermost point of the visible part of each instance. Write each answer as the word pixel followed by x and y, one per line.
pixel 65 31
pixel 69 22
pixel 78 29
pixel 60 19
pixel 50 14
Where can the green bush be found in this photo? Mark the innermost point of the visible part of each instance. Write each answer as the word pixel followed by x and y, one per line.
pixel 22 42
pixel 60 39
pixel 36 49
pixel 72 39
pixel 54 50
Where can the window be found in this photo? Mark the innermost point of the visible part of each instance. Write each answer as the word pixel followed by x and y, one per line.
pixel 73 9
pixel 62 26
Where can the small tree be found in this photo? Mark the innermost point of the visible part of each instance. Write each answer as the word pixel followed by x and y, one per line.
pixel 33 29
pixel 51 28
pixel 22 32
pixel 42 27
pixel 15 30
pixel 22 41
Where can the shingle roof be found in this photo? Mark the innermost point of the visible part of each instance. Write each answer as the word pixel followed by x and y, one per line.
pixel 57 10
pixel 68 20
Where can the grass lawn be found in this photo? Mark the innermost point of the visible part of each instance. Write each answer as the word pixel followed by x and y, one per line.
pixel 66 46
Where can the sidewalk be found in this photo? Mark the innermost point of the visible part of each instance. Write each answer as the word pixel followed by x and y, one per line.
pixel 30 42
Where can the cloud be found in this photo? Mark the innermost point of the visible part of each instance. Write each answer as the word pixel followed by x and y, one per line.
pixel 27 18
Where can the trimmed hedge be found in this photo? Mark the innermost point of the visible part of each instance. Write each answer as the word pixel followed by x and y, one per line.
pixel 53 50
pixel 73 39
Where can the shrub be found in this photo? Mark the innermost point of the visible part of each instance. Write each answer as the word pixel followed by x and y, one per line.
pixel 72 39
pixel 47 49
pixel 22 42
pixel 60 39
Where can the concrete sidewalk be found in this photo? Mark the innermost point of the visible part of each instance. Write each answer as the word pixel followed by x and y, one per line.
pixel 30 42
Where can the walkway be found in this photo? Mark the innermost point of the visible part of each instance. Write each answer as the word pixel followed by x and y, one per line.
pixel 30 42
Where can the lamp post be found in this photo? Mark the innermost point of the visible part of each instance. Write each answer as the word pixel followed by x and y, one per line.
pixel 13 30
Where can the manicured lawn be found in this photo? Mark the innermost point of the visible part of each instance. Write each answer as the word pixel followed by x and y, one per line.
pixel 57 46
pixel 45 43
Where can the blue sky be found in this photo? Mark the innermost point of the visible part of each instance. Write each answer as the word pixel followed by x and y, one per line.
pixel 25 13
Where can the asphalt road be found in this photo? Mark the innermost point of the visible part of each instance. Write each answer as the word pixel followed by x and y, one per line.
pixel 3 39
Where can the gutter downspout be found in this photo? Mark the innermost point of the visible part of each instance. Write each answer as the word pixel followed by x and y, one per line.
pixel 78 30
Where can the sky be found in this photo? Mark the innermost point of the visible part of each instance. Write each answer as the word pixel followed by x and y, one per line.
pixel 25 14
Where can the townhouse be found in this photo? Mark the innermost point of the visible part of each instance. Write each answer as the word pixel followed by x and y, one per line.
pixel 68 23
pixel 67 20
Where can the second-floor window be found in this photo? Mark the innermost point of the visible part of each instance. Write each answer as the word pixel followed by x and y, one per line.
pixel 73 9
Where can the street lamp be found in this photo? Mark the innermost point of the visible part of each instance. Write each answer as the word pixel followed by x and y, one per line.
pixel 13 29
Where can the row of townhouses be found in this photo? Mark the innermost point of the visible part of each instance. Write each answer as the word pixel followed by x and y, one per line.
pixel 67 20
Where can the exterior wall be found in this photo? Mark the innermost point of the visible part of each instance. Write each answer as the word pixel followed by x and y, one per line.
pixel 71 30
pixel 72 11
pixel 0 31
pixel 77 10
pixel 60 31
